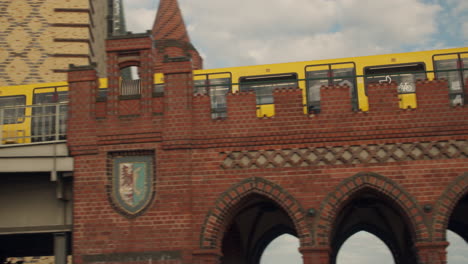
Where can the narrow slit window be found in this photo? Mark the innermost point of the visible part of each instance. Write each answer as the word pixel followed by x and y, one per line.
pixel 130 83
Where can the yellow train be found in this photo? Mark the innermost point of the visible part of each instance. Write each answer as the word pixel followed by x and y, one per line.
pixel 37 112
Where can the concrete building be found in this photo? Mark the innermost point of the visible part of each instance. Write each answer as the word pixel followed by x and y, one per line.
pixel 40 38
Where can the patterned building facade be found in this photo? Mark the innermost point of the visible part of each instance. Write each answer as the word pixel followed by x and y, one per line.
pixel 40 38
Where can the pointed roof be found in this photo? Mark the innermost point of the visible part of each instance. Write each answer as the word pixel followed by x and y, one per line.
pixel 169 24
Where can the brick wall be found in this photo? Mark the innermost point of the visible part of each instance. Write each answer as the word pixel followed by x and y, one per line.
pixel 203 167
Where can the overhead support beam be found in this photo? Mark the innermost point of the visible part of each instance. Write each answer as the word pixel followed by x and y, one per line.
pixel 52 157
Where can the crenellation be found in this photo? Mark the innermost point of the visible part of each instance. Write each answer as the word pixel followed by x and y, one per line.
pixel 383 97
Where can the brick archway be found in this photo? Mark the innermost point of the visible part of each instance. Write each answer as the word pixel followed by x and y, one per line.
pixel 446 204
pixel 346 189
pixel 220 215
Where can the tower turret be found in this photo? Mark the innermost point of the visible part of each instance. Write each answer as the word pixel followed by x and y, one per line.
pixel 171 37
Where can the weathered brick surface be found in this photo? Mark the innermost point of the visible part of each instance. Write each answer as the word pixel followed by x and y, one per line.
pixel 197 185
pixel 414 158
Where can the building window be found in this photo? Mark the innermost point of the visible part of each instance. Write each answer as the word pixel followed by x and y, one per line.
pixel 130 83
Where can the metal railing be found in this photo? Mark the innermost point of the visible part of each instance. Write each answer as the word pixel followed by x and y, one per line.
pixel 33 123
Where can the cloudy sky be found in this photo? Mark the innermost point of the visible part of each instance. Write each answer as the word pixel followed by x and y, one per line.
pixel 247 32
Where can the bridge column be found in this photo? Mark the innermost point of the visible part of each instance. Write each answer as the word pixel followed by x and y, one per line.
pixel 60 248
pixel 432 252
pixel 206 256
pixel 315 255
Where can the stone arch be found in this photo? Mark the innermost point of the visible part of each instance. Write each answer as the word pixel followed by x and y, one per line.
pixel 446 204
pixel 223 211
pixel 347 188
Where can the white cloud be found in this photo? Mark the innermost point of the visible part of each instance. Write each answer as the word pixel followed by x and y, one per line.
pixel 140 14
pixel 247 32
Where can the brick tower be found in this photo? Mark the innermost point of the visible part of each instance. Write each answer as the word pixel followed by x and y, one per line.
pixel 171 37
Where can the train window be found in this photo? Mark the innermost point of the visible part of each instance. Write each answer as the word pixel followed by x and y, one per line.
pixel 326 75
pixel 451 68
pixel 12 109
pixel 216 85
pixel 264 85
pixel 102 94
pixel 50 97
pixel 218 90
pixel 200 87
pixel 405 75
pixel 49 110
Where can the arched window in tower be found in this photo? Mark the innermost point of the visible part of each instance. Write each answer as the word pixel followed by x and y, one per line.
pixel 130 83
pixel 364 247
pixel 283 249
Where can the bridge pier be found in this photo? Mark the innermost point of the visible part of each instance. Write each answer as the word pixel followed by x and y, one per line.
pixel 315 255
pixel 206 256
pixel 432 252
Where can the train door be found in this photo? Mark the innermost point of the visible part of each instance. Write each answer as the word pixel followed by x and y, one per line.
pixel 452 67
pixel 404 75
pixel 49 113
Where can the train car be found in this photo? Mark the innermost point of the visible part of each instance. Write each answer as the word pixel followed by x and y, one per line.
pixel 403 68
pixel 33 113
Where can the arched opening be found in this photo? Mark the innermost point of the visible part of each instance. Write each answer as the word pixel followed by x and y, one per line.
pixel 283 249
pixel 364 247
pixel 458 222
pixel 457 251
pixel 373 212
pixel 130 83
pixel 254 224
pixel 457 233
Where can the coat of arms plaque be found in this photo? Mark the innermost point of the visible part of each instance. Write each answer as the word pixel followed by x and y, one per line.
pixel 132 183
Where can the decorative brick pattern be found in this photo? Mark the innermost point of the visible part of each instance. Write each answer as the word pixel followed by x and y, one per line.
pixel 37 39
pixel 338 155
pixel 220 215
pixel 385 186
